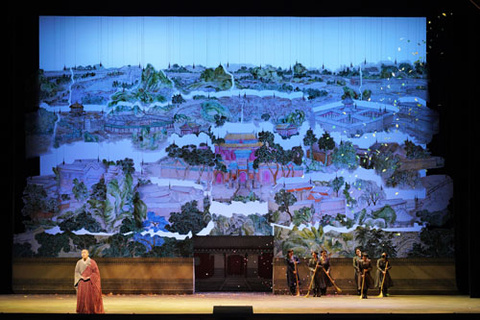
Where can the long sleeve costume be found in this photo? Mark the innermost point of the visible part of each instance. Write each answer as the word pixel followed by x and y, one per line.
pixel 291 277
pixel 316 274
pixel 357 274
pixel 89 289
pixel 365 268
pixel 381 267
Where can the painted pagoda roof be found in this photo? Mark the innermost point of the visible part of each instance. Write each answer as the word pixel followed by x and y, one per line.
pixel 240 140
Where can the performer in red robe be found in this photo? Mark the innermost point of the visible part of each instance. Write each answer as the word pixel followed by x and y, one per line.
pixel 88 285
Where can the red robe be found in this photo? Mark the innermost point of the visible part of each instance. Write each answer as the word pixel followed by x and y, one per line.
pixel 89 294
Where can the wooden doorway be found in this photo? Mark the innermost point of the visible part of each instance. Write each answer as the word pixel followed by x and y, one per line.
pixel 233 263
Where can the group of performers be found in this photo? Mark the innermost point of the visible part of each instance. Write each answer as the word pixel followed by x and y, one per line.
pixel 321 279
pixel 89 292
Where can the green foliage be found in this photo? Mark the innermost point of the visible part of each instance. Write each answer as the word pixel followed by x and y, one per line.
pixel 388 71
pixel 89 137
pixel 366 94
pixel 119 203
pixel 303 215
pixel 193 156
pixel 409 178
pixel 178 99
pixel 241 225
pixel 284 200
pixel 273 153
pixel 148 91
pixel 375 242
pixel 299 71
pixel 359 217
pixel 51 245
pixel 218 77
pixel 23 250
pixel 79 221
pixel 385 163
pixel 139 209
pixel 249 198
pixel 296 117
pixel 172 248
pixel 345 157
pixel 86 241
pixel 266 74
pixel 421 68
pixel 129 224
pixel 261 224
pixel 326 142
pixel 437 237
pixel 180 117
pixel 48 88
pixel 302 242
pixel 151 80
pixel 405 67
pixel 346 192
pixel 35 200
pixel 188 219
pixel 121 246
pixel 219 120
pixel 265 117
pixel 309 138
pixel 310 239
pixel 415 152
pixel 337 183
pixel 435 243
pixel 344 221
pixel 266 137
pixel 127 166
pixel 97 202
pixel 211 108
pixel 79 190
pixel 386 213
pixel 349 92
pixel 327 220
pixel 315 93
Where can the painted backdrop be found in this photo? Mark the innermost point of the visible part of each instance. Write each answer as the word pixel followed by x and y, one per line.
pixel 153 129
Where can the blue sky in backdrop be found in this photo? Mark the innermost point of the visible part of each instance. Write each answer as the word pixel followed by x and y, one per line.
pixel 208 41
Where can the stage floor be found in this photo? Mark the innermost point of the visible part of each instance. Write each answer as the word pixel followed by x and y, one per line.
pixel 203 303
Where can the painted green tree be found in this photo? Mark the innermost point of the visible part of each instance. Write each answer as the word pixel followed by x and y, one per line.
pixel 284 200
pixel 275 156
pixel 326 144
pixel 190 218
pixel 309 140
pixel 375 242
pixel 337 184
pixel 345 156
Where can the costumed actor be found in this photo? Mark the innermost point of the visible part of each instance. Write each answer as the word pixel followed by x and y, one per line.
pixel 383 267
pixel 293 278
pixel 365 268
pixel 356 268
pixel 88 285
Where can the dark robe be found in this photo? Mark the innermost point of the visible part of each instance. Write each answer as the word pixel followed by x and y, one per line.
pixel 88 285
pixel 381 264
pixel 291 277
pixel 324 279
pixel 316 274
pixel 365 268
pixel 357 274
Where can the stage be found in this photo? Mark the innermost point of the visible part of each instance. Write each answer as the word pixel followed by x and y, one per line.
pixel 266 305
